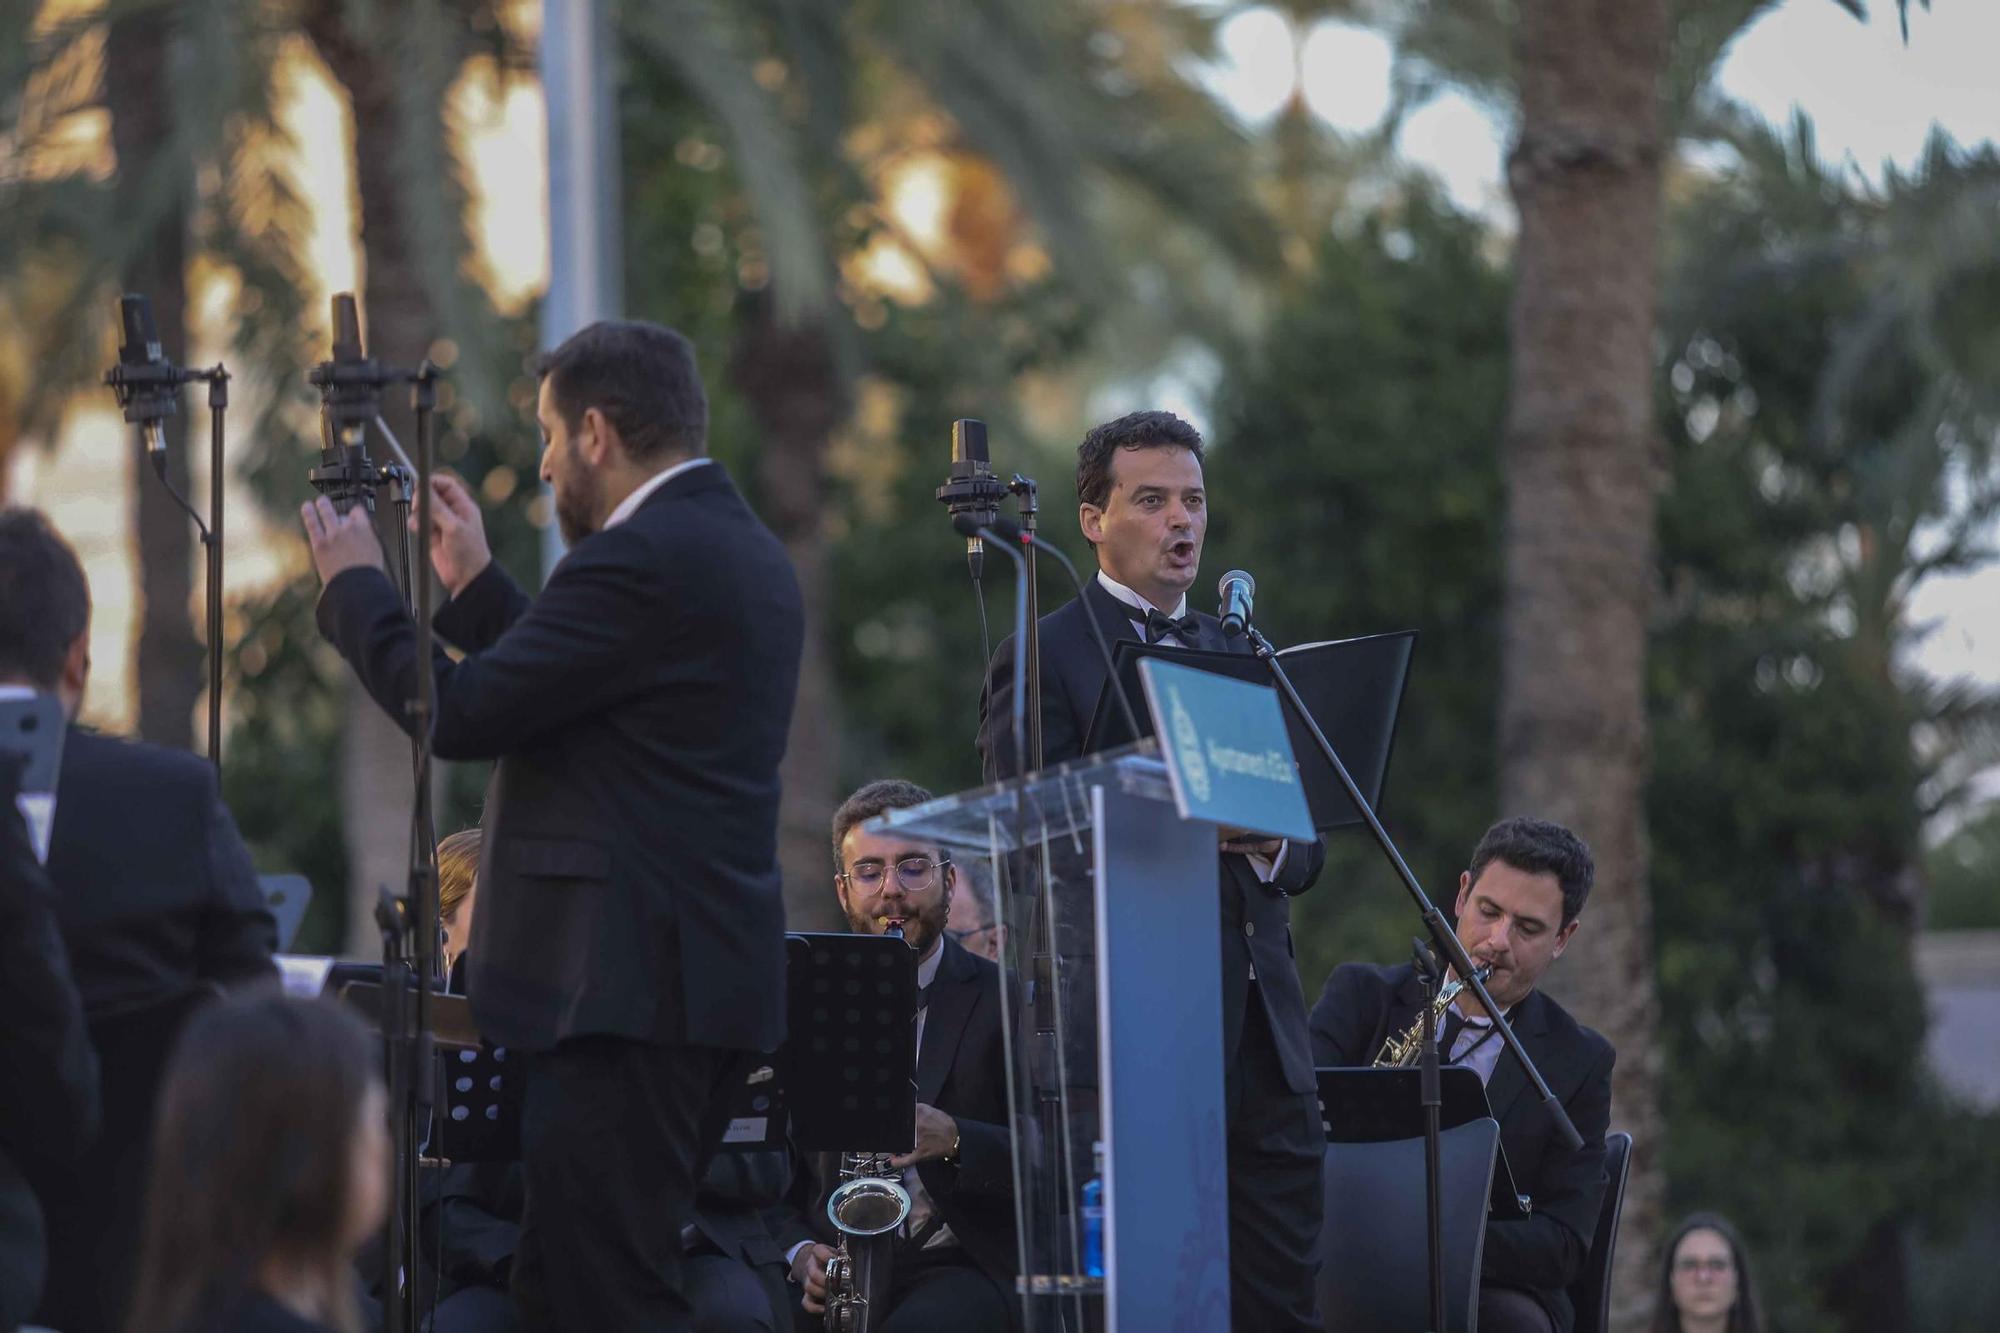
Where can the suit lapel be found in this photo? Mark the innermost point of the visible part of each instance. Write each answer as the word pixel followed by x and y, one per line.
pixel 952 997
pixel 1530 1022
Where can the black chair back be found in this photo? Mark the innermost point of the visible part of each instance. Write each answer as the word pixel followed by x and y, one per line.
pixel 1590 1294
pixel 1374 1273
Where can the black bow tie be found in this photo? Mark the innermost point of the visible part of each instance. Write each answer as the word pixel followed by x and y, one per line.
pixel 1159 625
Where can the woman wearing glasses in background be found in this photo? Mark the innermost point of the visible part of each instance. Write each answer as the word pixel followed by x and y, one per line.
pixel 1705 1284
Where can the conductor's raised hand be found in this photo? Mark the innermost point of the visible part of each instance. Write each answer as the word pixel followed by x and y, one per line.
pixel 340 542
pixel 458 534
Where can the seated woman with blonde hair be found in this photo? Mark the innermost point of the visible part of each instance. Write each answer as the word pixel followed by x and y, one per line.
pixel 458 879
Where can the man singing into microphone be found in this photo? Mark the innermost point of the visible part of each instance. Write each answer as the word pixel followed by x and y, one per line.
pixel 630 933
pixel 1143 506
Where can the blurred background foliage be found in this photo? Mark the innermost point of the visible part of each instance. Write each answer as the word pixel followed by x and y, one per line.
pixel 1826 408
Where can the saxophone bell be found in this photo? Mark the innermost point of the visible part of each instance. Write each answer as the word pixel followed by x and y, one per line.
pixel 866 1208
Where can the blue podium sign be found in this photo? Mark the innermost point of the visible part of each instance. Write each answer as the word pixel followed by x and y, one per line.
pixel 1228 754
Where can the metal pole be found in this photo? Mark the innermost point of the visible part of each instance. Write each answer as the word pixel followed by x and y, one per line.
pixel 586 272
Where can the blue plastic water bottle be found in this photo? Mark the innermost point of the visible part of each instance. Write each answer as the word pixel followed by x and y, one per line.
pixel 1093 1215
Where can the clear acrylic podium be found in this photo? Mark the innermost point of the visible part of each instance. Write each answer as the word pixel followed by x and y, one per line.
pixel 1112 963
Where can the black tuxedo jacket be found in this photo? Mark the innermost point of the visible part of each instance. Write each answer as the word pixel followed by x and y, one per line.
pixel 49 1112
pixel 1544 1252
pixel 962 1071
pixel 628 882
pixel 154 887
pixel 1256 917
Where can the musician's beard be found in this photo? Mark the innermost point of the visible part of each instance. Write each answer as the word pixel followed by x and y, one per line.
pixel 921 927
pixel 577 498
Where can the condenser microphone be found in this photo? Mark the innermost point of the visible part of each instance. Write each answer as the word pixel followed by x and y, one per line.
pixel 350 393
pixel 971 488
pixel 1236 590
pixel 144 380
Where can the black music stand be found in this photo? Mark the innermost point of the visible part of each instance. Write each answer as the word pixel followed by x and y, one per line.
pixel 849 1057
pixel 1386 1105
pixel 481 1121
pixel 1353 686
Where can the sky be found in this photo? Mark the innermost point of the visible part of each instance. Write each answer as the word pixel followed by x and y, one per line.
pixel 1872 98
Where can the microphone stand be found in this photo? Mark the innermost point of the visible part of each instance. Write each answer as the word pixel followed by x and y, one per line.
pixel 1448 944
pixel 167 377
pixel 1017 721
pixel 410 926
pixel 218 406
pixel 1023 490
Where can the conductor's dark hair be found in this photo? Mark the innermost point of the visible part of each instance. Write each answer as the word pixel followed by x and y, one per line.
pixel 1135 430
pixel 1744 1316
pixel 253 1157
pixel 876 798
pixel 642 377
pixel 44 598
pixel 1539 847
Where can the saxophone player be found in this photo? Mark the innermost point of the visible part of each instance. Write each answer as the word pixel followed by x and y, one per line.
pixel 952 1263
pixel 1517 910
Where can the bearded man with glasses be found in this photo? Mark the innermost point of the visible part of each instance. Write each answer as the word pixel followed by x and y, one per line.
pixel 955 1258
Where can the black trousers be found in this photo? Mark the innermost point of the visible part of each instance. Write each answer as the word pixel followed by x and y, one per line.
pixel 1506 1310
pixel 615 1135
pixel 943 1289
pixel 1276 1201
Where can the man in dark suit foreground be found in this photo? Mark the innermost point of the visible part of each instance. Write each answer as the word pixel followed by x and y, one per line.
pixel 630 932
pixel 46 1063
pixel 159 907
pixel 1517 911
pixel 954 1261
pixel 1143 506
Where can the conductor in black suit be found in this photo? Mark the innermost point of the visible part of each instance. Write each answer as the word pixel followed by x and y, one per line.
pixel 1517 911
pixel 159 907
pixel 954 1261
pixel 630 932
pixel 1143 505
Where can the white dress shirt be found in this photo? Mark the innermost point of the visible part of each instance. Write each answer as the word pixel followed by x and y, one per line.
pixel 1478 1046
pixel 1141 606
pixel 630 504
pixel 921 1206
pixel 38 809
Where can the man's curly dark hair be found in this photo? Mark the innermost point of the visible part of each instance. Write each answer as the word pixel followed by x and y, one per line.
pixel 1135 430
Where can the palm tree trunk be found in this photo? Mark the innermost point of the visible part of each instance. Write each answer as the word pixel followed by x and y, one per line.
pixel 168 655
pixel 1582 466
pixel 788 379
pixel 398 325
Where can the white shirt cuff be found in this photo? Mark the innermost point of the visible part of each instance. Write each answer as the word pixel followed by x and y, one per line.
pixel 1267 867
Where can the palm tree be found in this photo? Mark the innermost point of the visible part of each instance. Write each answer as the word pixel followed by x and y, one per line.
pixel 396 71
pixel 217 113
pixel 1067 105
pixel 1599 92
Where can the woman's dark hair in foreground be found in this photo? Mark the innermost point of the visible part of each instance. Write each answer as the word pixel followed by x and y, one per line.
pixel 254 1154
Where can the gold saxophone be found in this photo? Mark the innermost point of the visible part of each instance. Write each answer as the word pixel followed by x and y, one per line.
pixel 1400 1052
